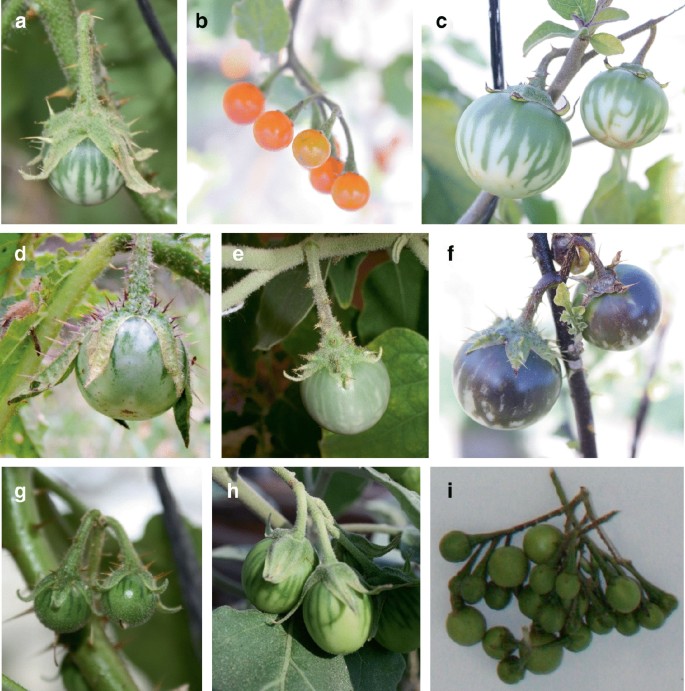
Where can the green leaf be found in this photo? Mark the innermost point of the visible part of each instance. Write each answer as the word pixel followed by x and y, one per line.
pixel 265 24
pixel 449 190
pixel 540 210
pixel 396 79
pixel 249 652
pixel 610 14
pixel 285 301
pixel 17 442
pixel 343 277
pixel 606 44
pixel 402 432
pixel 468 50
pixel 662 202
pixel 179 666
pixel 616 199
pixel 332 65
pixel 409 500
pixel 571 316
pixel 9 243
pixel 568 8
pixel 395 295
pixel 544 31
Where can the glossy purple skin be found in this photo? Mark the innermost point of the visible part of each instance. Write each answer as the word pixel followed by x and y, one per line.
pixel 492 394
pixel 623 321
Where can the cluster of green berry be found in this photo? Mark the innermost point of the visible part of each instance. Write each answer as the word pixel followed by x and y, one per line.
pixel 64 600
pixel 313 149
pixel 565 583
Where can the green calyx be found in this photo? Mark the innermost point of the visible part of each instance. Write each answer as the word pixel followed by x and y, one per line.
pixel 637 70
pixel 341 580
pixel 287 553
pixel 527 93
pixel 91 117
pixel 337 354
pixel 519 339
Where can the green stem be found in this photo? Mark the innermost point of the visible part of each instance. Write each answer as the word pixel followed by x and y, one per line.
pixel 44 481
pixel 86 61
pixel 327 554
pixel 175 255
pixel 159 207
pixel 59 20
pixel 300 497
pixel 250 498
pixel 140 288
pixel 71 564
pixel 9 684
pixel 127 551
pixel 266 264
pixel 328 324
pixel 21 523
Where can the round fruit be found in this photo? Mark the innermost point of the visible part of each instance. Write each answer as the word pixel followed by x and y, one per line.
pixel 472 589
pixel 399 625
pixel 542 579
pixel 567 585
pixel 499 642
pixel 352 408
pixel 541 542
pixel 530 602
pixel 350 191
pixel 85 176
pixel 135 384
pixel 130 602
pixel 497 597
pixel 492 394
pixel 334 626
pixel 624 107
pixel 510 148
pixel 455 546
pixel 621 321
pixel 511 670
pixel 627 624
pixel 578 640
pixel 311 148
pixel 323 177
pixel 651 617
pixel 243 103
pixel 62 611
pixel 624 595
pixel 601 622
pixel 273 130
pixel 545 655
pixel 466 626
pixel 276 598
pixel 508 566
pixel 551 617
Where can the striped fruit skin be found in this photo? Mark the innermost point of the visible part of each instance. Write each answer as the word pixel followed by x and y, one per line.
pixel 510 148
pixel 399 626
pixel 85 176
pixel 275 598
pixel 135 385
pixel 130 602
pixel 622 110
pixel 334 626
pixel 71 615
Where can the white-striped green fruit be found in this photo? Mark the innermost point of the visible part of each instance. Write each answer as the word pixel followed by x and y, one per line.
pixel 624 107
pixel 85 176
pixel 512 148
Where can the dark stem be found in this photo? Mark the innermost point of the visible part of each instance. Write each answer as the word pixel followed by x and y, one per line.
pixel 640 57
pixel 185 558
pixel 157 32
pixel 546 282
pixel 496 57
pixel 645 401
pixel 481 209
pixel 573 363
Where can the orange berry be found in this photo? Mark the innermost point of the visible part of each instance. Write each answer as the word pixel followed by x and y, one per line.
pixel 273 130
pixel 350 191
pixel 311 148
pixel 243 102
pixel 323 177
